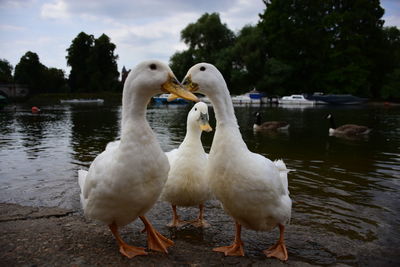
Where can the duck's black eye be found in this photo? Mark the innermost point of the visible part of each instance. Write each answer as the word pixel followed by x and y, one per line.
pixel 195 109
pixel 202 68
pixel 153 66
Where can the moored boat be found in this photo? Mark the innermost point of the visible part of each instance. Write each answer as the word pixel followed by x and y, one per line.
pixel 163 99
pixel 339 99
pixel 295 100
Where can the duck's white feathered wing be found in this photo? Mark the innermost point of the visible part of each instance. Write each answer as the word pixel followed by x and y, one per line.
pixel 253 189
pixel 97 167
pixel 81 180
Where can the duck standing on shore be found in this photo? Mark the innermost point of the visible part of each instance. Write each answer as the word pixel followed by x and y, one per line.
pixel 126 179
pixel 251 188
pixel 187 184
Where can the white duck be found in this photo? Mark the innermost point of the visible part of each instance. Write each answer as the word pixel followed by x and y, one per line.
pixel 252 188
pixel 125 180
pixel 187 184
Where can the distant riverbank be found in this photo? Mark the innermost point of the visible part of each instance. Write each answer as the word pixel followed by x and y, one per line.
pixel 39 99
pixel 115 97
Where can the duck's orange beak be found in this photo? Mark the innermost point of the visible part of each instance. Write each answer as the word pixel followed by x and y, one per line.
pixel 174 87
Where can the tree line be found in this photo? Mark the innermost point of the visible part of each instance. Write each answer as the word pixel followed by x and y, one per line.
pixel 301 46
pixel 93 68
pixel 297 46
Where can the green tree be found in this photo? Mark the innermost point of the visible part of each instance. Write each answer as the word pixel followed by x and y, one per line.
pixel 296 37
pixel 356 43
pixel 93 63
pixel 249 56
pixel 5 71
pixel 104 70
pixel 391 57
pixel 277 78
pixel 55 80
pixel 78 56
pixel 31 72
pixel 209 40
pixel 181 62
pixel 37 76
pixel 329 46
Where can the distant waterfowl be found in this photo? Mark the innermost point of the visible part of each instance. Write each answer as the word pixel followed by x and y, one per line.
pixel 269 125
pixel 126 179
pixel 187 184
pixel 252 188
pixel 347 129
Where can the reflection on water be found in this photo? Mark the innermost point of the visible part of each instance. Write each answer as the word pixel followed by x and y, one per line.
pixel 348 188
pixel 91 129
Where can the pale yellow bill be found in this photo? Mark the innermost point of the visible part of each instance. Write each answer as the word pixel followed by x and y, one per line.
pixel 172 97
pixel 174 87
pixel 206 127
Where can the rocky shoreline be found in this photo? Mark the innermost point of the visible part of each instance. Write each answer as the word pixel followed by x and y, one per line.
pixel 51 236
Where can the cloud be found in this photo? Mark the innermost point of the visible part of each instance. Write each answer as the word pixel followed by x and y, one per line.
pixel 392 21
pixel 242 13
pixel 125 9
pixel 16 3
pixel 140 29
pixel 11 28
pixel 149 39
pixel 392 12
pixel 55 10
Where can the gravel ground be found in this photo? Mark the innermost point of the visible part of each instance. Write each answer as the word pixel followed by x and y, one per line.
pixel 46 236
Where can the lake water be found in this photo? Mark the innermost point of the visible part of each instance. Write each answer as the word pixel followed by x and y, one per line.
pixel 345 188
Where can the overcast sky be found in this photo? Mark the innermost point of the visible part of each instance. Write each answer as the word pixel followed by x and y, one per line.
pixel 141 29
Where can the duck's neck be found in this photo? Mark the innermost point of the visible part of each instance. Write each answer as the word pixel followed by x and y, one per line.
pixel 223 109
pixel 193 135
pixel 258 120
pixel 332 122
pixel 134 107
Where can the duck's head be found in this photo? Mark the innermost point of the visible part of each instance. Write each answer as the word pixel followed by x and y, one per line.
pixel 204 78
pixel 257 120
pixel 198 115
pixel 153 77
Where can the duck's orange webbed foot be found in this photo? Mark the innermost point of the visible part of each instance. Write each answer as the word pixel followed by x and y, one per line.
pixel 236 249
pixel 200 222
pixel 176 221
pixel 155 240
pixel 131 251
pixel 125 249
pixel 278 250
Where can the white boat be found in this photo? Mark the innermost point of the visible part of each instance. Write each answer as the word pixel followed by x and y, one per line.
pixel 295 100
pixel 82 101
pixel 244 99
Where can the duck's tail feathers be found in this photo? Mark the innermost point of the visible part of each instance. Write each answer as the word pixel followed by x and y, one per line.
pixel 283 171
pixel 81 180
